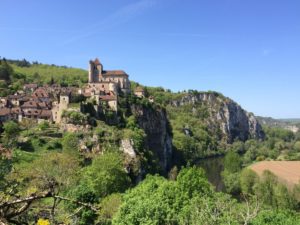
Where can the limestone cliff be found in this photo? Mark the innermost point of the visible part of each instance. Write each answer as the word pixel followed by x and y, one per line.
pixel 155 124
pixel 224 114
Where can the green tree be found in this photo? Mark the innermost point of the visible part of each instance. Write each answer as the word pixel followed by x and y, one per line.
pixel 159 201
pixel 6 71
pixel 217 209
pixel 5 168
pixel 274 217
pixel 83 193
pixel 231 173
pixel 284 199
pixel 232 162
pixel 70 143
pixel 10 134
pixel 265 188
pixel 53 171
pixel 248 180
pixel 297 146
pixel 192 181
pixel 231 182
pixel 151 202
pixel 45 177
pixel 106 175
pixel 109 206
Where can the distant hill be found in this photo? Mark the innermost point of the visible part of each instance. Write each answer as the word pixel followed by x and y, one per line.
pixel 289 124
pixel 292 121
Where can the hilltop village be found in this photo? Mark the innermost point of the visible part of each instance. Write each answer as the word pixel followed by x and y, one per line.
pixel 50 102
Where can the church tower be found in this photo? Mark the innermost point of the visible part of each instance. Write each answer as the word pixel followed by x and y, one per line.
pixel 99 68
pixel 95 71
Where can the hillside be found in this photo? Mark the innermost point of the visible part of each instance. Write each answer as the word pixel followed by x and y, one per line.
pixel 288 124
pixel 97 167
pixel 38 72
pixel 201 124
pixel 205 123
pixel 45 73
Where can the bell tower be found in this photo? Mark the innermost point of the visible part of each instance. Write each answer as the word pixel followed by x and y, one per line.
pixel 95 71
pixel 99 68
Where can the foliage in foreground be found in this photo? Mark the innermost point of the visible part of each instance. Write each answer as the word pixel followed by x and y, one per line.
pixel 191 200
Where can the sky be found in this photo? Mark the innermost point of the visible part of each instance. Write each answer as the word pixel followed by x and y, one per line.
pixel 249 50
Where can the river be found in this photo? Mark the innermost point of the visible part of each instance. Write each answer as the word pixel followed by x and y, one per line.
pixel 213 168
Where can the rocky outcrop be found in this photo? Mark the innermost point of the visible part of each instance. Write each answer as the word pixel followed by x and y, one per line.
pixel 234 122
pixel 127 148
pixel 155 124
pixel 69 127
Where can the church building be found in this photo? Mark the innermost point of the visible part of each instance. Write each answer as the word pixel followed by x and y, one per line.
pixel 105 78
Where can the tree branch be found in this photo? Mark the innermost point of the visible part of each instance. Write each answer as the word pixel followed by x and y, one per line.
pixel 27 199
pixel 90 206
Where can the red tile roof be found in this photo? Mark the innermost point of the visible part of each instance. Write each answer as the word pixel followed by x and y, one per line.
pixel 40 93
pixel 114 72
pixel 107 97
pixel 30 104
pixel 4 111
pixel 16 110
pixel 16 97
pixel 46 113
pixel 33 112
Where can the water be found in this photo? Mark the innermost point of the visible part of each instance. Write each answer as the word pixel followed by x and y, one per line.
pixel 213 168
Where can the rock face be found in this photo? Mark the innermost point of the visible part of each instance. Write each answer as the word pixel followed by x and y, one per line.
pixel 234 122
pixel 224 115
pixel 127 148
pixel 155 124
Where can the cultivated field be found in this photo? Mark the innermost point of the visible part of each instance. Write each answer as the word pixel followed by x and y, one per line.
pixel 286 171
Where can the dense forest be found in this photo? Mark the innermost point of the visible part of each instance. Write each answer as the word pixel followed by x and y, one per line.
pixel 48 176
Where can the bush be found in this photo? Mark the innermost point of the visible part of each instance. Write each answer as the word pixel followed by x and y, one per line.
pixel 106 175
pixel 248 180
pixel 75 117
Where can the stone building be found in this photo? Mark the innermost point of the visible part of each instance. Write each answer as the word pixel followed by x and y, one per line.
pixel 104 86
pixel 48 102
pixel 117 77
pixel 59 107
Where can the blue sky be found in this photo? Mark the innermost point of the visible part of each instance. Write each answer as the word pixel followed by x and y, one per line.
pixel 247 49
